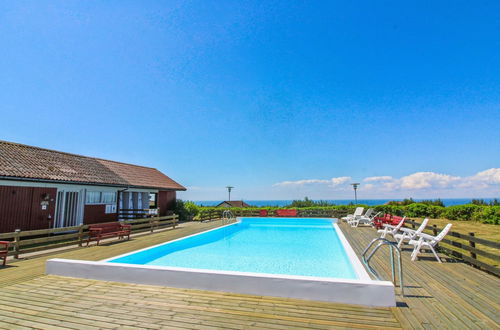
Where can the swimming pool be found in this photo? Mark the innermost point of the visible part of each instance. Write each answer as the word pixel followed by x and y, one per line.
pixel 305 258
pixel 288 246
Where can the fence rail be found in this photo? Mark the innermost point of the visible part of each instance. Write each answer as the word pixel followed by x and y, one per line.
pixel 23 242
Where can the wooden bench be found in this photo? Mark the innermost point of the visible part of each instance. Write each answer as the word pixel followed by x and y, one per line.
pixel 286 213
pixel 4 250
pixel 263 213
pixel 105 230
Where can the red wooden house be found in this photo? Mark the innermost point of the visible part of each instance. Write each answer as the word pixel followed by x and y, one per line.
pixel 41 188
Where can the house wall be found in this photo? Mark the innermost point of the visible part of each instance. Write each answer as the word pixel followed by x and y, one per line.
pixel 96 213
pixel 166 201
pixel 23 210
pixel 21 207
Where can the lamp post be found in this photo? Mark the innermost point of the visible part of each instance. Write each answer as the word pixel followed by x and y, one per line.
pixel 355 186
pixel 229 188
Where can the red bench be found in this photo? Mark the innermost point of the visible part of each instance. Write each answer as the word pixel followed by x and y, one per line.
pixel 105 230
pixel 263 213
pixel 4 249
pixel 286 213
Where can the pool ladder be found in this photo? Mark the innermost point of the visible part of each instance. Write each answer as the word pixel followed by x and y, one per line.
pixel 393 246
pixel 227 217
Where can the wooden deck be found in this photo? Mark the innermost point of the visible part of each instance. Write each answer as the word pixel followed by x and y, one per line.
pixel 448 295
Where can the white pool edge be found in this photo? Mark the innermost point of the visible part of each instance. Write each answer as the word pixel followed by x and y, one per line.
pixel 362 291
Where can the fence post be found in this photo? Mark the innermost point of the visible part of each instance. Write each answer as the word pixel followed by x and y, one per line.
pixel 175 218
pixel 413 224
pixel 17 238
pixel 473 245
pixel 80 235
pixel 151 224
pixel 435 232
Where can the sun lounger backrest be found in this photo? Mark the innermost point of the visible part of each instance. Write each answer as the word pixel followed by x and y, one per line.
pixel 442 234
pixel 400 224
pixel 369 212
pixel 422 226
pixel 359 211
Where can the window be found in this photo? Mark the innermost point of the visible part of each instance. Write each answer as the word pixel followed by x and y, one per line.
pixel 97 197
pixel 108 197
pixel 93 197
pixel 153 200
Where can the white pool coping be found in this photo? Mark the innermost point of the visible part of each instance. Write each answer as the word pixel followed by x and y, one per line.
pixel 361 291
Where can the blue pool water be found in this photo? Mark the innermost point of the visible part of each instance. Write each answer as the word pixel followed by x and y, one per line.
pixel 289 246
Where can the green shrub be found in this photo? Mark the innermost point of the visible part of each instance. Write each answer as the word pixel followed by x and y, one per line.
pixel 186 210
pixel 462 212
pixel 192 208
pixel 485 214
pixel 422 210
pixel 489 215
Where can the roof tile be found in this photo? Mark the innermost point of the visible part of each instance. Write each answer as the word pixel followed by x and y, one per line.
pixel 22 161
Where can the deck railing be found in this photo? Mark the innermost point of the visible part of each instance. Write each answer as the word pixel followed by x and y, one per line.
pixel 137 213
pixel 23 242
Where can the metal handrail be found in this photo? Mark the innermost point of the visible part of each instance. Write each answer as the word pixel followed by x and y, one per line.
pixel 393 246
pixel 227 216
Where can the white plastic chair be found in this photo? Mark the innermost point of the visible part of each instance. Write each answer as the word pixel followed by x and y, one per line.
pixel 357 212
pixel 391 230
pixel 409 234
pixel 428 241
pixel 363 219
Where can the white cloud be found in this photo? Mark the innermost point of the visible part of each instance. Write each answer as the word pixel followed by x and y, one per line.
pixel 332 182
pixel 378 178
pixel 339 180
pixel 423 180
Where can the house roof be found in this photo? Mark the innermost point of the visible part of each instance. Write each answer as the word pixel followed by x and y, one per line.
pixel 235 204
pixel 33 163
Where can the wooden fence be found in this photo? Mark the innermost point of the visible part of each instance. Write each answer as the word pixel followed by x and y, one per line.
pixel 23 242
pixel 466 247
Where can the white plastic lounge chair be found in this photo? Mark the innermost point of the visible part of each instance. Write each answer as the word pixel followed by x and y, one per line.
pixel 428 241
pixel 357 212
pixel 363 219
pixel 391 230
pixel 409 234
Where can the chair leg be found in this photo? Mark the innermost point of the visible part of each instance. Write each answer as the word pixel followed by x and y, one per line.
pixel 435 254
pixel 415 252
pixel 400 242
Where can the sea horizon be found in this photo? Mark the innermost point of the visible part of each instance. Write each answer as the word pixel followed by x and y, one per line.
pixel 370 202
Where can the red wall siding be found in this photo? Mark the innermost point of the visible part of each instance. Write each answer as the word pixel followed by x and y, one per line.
pixel 20 208
pixel 96 214
pixel 166 201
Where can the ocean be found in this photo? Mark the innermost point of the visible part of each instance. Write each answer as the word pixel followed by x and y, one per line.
pixel 282 203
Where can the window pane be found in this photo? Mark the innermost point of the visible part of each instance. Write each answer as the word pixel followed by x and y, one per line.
pixel 93 197
pixel 108 197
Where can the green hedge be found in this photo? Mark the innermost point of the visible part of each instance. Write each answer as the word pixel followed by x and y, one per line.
pixel 482 213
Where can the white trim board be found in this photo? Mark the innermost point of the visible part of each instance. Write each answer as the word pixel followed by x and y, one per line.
pixel 358 292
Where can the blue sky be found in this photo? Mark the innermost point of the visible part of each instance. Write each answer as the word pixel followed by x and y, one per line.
pixel 281 99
